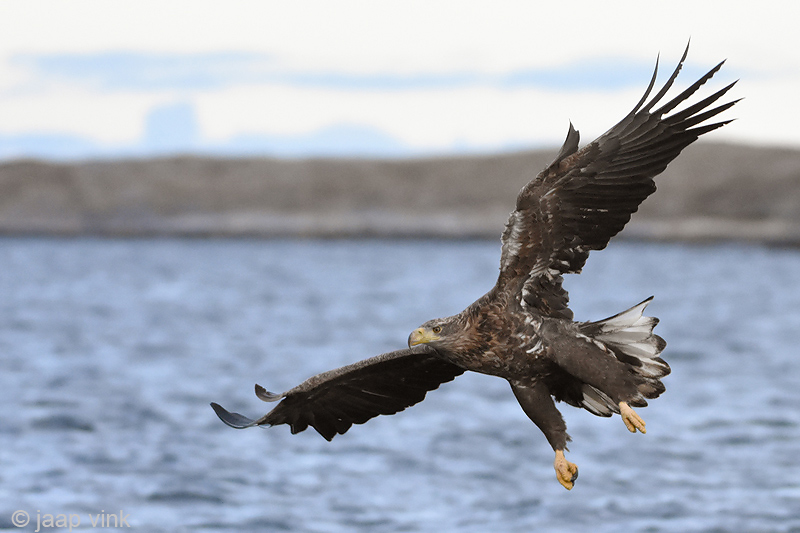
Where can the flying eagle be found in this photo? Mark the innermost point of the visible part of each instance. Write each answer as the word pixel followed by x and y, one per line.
pixel 522 329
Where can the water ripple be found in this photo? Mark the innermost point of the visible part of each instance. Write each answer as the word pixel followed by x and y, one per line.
pixel 112 350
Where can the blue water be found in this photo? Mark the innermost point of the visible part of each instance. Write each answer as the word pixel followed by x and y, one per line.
pixel 112 350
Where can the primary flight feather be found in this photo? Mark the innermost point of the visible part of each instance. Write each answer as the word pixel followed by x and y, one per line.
pixel 522 329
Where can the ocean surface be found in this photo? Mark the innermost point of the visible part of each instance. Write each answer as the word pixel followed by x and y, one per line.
pixel 111 350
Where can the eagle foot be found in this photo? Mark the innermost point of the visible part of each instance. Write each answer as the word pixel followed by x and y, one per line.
pixel 566 472
pixel 632 420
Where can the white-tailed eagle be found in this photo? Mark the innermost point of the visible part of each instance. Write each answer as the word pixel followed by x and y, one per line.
pixel 522 329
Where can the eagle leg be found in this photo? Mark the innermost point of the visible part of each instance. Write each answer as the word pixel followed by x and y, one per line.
pixel 632 420
pixel 566 472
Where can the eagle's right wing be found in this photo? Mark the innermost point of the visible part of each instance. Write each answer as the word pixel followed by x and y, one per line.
pixel 586 196
pixel 333 401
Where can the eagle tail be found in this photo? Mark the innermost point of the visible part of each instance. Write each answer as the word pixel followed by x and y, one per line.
pixel 629 335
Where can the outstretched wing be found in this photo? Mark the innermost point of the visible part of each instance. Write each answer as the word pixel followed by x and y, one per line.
pixel 333 401
pixel 586 197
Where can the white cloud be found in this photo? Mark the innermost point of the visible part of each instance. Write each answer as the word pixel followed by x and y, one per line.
pixel 62 109
pixel 352 38
pixel 409 35
pixel 770 119
pixel 433 119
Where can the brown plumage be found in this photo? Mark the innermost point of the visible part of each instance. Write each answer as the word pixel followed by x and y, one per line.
pixel 522 329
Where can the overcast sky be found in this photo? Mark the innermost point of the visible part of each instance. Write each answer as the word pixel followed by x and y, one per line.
pixel 101 78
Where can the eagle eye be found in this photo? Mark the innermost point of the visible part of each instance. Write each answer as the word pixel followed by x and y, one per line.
pixel 436 329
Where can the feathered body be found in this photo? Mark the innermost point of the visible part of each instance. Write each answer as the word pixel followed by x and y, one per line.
pixel 522 329
pixel 593 365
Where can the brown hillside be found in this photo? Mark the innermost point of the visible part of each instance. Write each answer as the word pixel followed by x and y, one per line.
pixel 710 191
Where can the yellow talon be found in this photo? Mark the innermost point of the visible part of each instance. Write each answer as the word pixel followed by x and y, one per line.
pixel 631 419
pixel 566 472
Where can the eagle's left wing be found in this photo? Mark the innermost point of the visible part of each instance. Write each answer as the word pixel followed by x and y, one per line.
pixel 586 196
pixel 333 401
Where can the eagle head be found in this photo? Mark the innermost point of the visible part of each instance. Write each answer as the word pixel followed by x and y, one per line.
pixel 435 332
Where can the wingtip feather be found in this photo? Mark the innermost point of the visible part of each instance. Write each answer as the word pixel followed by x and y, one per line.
pixel 234 420
pixel 266 396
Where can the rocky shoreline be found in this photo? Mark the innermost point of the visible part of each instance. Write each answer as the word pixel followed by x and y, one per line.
pixel 711 192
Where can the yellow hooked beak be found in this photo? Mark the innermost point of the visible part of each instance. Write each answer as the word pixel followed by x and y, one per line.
pixel 421 336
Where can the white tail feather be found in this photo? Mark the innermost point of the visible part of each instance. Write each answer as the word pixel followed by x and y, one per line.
pixel 598 402
pixel 630 334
